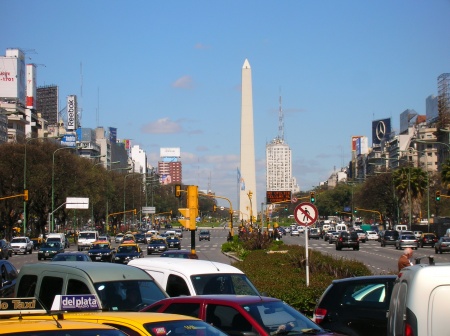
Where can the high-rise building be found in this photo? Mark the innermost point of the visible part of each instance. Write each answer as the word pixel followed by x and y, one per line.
pixel 170 167
pixel 247 176
pixel 279 162
pixel 47 104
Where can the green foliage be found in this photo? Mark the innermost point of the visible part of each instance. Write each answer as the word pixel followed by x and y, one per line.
pixel 284 274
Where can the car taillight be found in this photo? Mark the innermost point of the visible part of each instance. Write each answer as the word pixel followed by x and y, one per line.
pixel 408 330
pixel 319 315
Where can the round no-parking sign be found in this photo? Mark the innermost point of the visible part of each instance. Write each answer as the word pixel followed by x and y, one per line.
pixel 306 214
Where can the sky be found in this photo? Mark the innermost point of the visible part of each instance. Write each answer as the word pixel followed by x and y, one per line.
pixel 168 73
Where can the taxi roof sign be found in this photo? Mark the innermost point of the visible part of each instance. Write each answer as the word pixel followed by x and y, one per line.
pixel 21 306
pixel 76 302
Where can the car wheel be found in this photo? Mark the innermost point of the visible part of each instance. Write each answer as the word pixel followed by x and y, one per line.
pixel 440 251
pixel 31 250
pixel 356 248
pixel 15 253
pixel 435 251
pixel 39 258
pixel 149 253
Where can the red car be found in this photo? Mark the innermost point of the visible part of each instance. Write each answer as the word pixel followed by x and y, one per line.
pixel 242 314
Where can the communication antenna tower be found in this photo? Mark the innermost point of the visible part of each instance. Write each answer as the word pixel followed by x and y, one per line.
pixel 280 122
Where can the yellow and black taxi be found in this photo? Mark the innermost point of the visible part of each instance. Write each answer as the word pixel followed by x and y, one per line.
pixel 128 251
pixel 49 249
pixel 38 322
pixel 101 250
pixel 84 308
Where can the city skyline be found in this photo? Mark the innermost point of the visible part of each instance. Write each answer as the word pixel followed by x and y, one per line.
pixel 165 78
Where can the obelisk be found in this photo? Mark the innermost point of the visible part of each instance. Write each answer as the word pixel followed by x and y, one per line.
pixel 247 195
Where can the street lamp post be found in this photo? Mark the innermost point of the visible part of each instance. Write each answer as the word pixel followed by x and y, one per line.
pixel 107 193
pixel 124 198
pixel 25 178
pixel 53 187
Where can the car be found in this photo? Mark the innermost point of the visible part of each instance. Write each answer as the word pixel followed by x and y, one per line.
pixel 173 242
pixel 179 233
pixel 168 226
pixel 314 233
pixel 157 245
pixel 388 237
pixel 328 234
pixel 119 237
pixel 58 237
pixel 22 245
pixel 105 238
pixel 183 254
pixel 301 228
pixel 204 235
pixel 140 238
pixel 71 256
pixel 333 237
pixel 49 249
pixel 8 274
pixel 442 245
pixel 428 239
pixel 355 306
pixel 179 276
pixel 348 240
pixel 102 250
pixel 295 232
pixel 108 281
pixel 241 314
pixel 86 238
pixel 4 249
pixel 362 235
pixel 406 240
pixel 418 234
pixel 372 235
pixel 419 300
pixel 128 238
pixel 287 229
pixel 126 252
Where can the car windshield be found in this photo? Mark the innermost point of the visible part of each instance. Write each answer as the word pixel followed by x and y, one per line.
pixel 128 295
pixel 100 246
pixel 87 235
pixel 182 327
pixel 127 249
pixel 409 237
pixel 237 284
pixel 157 241
pixel 446 239
pixel 18 240
pixel 51 244
pixel 278 318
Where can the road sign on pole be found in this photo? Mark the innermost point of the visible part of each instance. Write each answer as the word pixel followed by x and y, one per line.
pixel 306 214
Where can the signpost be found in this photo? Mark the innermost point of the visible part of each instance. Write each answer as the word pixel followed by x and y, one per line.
pixel 306 214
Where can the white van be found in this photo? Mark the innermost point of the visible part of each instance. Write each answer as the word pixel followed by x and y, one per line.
pixel 59 237
pixel 401 227
pixel 195 277
pixel 86 238
pixel 341 227
pixel 419 301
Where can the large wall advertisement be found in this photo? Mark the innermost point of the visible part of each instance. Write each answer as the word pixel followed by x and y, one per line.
pixel 71 113
pixel 12 75
pixel 381 130
pixel 170 152
pixel 31 86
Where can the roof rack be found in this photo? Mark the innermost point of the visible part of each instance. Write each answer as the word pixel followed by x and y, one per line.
pixel 430 260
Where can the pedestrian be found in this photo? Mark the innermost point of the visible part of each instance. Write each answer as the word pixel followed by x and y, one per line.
pixel 404 260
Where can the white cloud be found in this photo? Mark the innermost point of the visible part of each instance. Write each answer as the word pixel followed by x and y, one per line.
pixel 162 126
pixel 184 82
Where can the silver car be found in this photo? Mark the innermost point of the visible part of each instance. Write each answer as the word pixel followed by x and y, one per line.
pixel 333 237
pixel 406 240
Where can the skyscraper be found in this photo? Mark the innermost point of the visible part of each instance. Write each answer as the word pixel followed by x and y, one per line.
pixel 247 186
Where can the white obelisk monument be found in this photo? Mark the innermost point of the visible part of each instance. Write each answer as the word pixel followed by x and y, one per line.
pixel 247 205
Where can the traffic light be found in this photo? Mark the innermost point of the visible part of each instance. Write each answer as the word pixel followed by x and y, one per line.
pixel 186 218
pixel 25 195
pixel 214 208
pixel 178 190
pixel 312 196
pixel 355 211
pixel 438 196
pixel 192 203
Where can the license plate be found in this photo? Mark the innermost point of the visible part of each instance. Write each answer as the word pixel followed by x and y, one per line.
pixel 46 253
pixel 171 244
pixel 98 258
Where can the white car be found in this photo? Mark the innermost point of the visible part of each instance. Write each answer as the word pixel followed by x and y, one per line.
pixel 372 235
pixel 301 229
pixel 287 229
pixel 294 232
pixel 22 245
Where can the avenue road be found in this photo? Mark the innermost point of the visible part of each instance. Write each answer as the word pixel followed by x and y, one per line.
pixel 380 260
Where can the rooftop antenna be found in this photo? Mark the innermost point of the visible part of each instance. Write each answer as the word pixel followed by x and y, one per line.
pixel 98 106
pixel 80 108
pixel 280 122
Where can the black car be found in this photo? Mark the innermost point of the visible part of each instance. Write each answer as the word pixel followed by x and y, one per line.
pixel 173 242
pixel 156 245
pixel 183 254
pixel 8 274
pixel 71 256
pixel 4 249
pixel 140 238
pixel 102 251
pixel 356 306
pixel 348 240
pixel 204 235
pixel 127 252
pixel 49 250
pixel 388 237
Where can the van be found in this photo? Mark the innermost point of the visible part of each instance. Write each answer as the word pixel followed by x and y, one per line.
pixel 195 277
pixel 86 238
pixel 111 282
pixel 419 300
pixel 58 237
pixel 341 227
pixel 401 227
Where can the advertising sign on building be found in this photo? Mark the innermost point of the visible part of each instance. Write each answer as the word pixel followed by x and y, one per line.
pixel 71 113
pixel 69 140
pixel 31 86
pixel 12 75
pixel 362 146
pixel 354 140
pixel 170 152
pixel 278 196
pixel 381 131
pixel 112 134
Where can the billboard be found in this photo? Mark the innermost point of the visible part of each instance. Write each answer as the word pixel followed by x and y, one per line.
pixel 112 134
pixel 69 140
pixel 71 113
pixel 381 130
pixel 170 152
pixel 362 146
pixel 278 196
pixel 12 75
pixel 31 86
pixel 354 140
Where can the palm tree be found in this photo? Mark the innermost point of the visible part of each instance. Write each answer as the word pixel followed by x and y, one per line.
pixel 410 184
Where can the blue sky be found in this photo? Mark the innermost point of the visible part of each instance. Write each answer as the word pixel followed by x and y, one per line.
pixel 168 73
